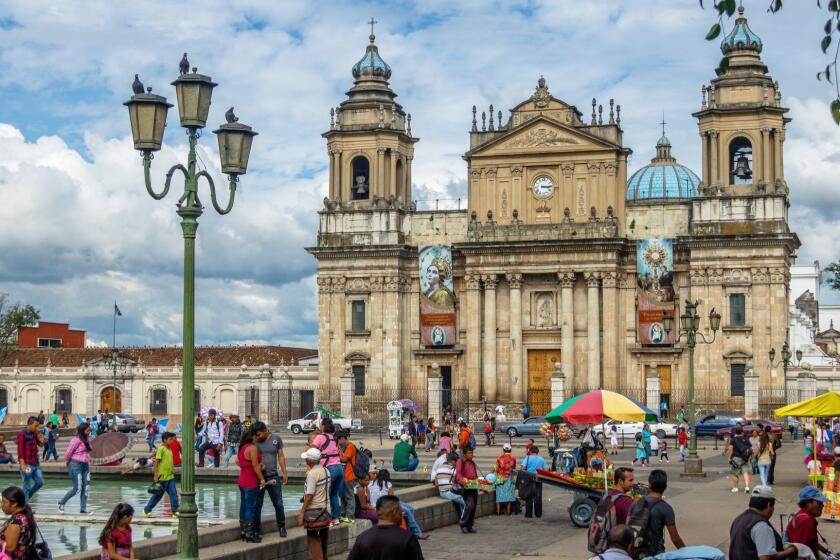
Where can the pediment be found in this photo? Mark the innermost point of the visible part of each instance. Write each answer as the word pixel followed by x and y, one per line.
pixel 542 134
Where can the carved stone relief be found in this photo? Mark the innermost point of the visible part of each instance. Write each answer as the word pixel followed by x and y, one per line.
pixel 543 310
pixel 541 137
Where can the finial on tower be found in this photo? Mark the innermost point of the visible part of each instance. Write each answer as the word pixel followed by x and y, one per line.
pixel 372 22
pixel 491 118
pixel 594 120
pixel 663 123
pixel 612 111
pixel 474 123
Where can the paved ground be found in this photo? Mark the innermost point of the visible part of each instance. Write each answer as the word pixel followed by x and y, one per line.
pixel 705 509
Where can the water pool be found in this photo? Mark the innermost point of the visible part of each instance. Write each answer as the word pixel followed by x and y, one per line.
pixel 215 500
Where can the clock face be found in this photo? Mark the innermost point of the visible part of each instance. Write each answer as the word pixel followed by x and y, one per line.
pixel 543 186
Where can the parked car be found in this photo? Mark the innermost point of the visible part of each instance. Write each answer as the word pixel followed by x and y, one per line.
pixel 528 427
pixel 128 423
pixel 750 426
pixel 311 421
pixel 661 429
pixel 709 424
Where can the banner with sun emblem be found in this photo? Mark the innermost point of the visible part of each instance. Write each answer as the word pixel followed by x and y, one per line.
pixel 655 290
pixel 437 298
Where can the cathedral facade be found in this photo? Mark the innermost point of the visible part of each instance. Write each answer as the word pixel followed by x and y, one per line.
pixel 560 257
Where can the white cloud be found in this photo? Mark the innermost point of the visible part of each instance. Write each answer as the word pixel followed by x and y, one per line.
pixel 77 229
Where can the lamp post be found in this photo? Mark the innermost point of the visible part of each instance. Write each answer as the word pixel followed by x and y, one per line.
pixel 115 360
pixel 147 112
pixel 785 362
pixel 690 321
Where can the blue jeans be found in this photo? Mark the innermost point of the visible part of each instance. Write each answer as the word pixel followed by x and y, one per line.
pixel 168 488
pixel 763 470
pixel 151 441
pixel 410 521
pixel 231 451
pixel 33 481
pixel 77 470
pixel 336 489
pixel 49 450
pixel 248 503
pixel 456 498
pixel 275 494
pixel 412 465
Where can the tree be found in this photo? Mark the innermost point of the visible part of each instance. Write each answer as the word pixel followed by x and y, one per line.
pixel 834 269
pixel 832 25
pixel 12 317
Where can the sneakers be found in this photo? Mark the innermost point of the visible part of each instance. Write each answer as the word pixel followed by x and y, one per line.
pixel 734 490
pixel 347 520
pixel 60 507
pixel 174 515
pixel 746 489
pixel 335 523
pixel 85 512
pixel 147 513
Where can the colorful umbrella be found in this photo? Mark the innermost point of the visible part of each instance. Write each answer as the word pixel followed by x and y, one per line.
pixel 108 448
pixel 596 406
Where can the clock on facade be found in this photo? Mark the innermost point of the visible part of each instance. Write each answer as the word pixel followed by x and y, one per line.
pixel 543 186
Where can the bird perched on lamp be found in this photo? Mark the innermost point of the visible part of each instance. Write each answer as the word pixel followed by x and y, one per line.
pixel 184 65
pixel 137 85
pixel 230 116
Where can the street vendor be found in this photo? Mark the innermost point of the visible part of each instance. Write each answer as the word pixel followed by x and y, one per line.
pixel 802 527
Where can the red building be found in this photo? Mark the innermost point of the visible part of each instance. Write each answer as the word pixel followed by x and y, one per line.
pixel 50 335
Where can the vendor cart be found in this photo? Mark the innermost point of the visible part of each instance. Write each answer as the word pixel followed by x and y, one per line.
pixel 395 419
pixel 586 497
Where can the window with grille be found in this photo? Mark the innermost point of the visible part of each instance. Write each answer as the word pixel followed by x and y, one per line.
pixel 358 315
pixel 49 343
pixel 736 374
pixel 737 310
pixel 157 405
pixel 359 378
pixel 64 400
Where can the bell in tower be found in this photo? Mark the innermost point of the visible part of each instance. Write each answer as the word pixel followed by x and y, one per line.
pixel 369 141
pixel 741 119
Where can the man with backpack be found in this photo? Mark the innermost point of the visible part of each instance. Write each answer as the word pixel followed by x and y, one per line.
pixel 612 511
pixel 650 516
pixel 738 451
pixel 214 438
pixel 356 467
pixel 619 544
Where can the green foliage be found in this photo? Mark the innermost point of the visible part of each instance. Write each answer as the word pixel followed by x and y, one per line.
pixel 12 317
pixel 834 270
pixel 713 32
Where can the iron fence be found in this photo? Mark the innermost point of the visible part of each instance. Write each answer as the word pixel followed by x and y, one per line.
pixel 540 401
pixel 329 397
pixel 454 403
pixel 285 405
pixel 771 399
pixel 252 402
pixel 372 407
pixel 707 400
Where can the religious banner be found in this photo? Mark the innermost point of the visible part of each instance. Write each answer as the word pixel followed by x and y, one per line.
pixel 655 291
pixel 437 300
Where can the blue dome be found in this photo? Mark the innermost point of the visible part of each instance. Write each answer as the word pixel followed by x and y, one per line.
pixel 663 178
pixel 741 37
pixel 371 65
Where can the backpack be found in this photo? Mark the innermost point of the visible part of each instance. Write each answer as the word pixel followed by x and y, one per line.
pixel 741 448
pixel 638 519
pixel 361 466
pixel 602 521
pixel 473 443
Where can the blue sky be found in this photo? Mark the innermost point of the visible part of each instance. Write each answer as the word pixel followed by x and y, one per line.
pixel 78 231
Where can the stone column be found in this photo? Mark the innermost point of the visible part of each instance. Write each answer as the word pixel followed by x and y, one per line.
pixel 378 187
pixel 705 171
pixel 807 383
pixel 558 386
pixel 434 387
pixel 777 160
pixel 765 156
pixel 265 393
pixel 488 386
pixel 336 174
pixel 567 325
pixel 713 160
pixel 593 331
pixel 407 188
pixel 751 392
pixel 653 388
pixel 392 176
pixel 347 392
pixel 243 385
pixel 473 350
pixel 608 283
pixel 517 394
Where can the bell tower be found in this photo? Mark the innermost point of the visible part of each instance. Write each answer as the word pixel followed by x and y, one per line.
pixel 369 141
pixel 741 120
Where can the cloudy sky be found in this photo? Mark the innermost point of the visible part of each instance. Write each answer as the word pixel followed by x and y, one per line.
pixel 78 231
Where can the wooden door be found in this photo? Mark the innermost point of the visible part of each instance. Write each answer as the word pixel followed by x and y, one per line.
pixel 110 400
pixel 540 368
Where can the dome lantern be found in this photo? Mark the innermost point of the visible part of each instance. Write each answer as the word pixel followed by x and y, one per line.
pixel 371 66
pixel 741 38
pixel 663 178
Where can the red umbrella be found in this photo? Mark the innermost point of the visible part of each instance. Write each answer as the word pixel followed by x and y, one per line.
pixel 109 448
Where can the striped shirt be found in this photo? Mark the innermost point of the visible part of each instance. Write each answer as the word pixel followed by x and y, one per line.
pixel 444 477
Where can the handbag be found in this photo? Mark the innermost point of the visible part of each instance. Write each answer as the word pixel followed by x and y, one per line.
pixel 155 489
pixel 316 518
pixel 41 551
pixel 455 487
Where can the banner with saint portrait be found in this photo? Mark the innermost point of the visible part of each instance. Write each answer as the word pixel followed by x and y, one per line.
pixel 437 298
pixel 655 290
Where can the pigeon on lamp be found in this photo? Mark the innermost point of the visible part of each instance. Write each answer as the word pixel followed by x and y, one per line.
pixel 230 117
pixel 184 65
pixel 137 85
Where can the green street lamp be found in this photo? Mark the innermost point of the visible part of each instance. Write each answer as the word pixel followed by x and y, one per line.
pixel 785 362
pixel 690 328
pixel 148 118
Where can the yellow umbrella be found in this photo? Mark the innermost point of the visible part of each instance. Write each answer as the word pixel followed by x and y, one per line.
pixel 827 404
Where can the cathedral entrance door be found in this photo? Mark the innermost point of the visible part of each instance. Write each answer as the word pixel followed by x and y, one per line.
pixel 540 367
pixel 110 400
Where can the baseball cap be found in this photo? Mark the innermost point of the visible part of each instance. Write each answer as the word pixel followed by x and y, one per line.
pixel 212 411
pixel 763 492
pixel 452 456
pixel 506 447
pixel 404 437
pixel 234 413
pixel 811 493
pixel 311 454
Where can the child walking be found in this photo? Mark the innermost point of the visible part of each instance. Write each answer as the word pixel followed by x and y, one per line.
pixel 613 440
pixel 51 433
pixel 641 454
pixel 663 451
pixel 682 440
pixel 115 538
pixel 164 467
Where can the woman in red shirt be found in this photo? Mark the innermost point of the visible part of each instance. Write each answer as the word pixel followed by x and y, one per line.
pixel 505 494
pixel 250 481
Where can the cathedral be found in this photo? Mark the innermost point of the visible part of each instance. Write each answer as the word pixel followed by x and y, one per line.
pixel 561 264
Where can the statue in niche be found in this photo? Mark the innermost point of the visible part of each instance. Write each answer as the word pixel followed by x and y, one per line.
pixel 360 189
pixel 545 311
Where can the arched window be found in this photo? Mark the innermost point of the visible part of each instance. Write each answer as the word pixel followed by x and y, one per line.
pixel 740 161
pixel 197 397
pixel 157 401
pixel 360 188
pixel 63 399
pixel 401 188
